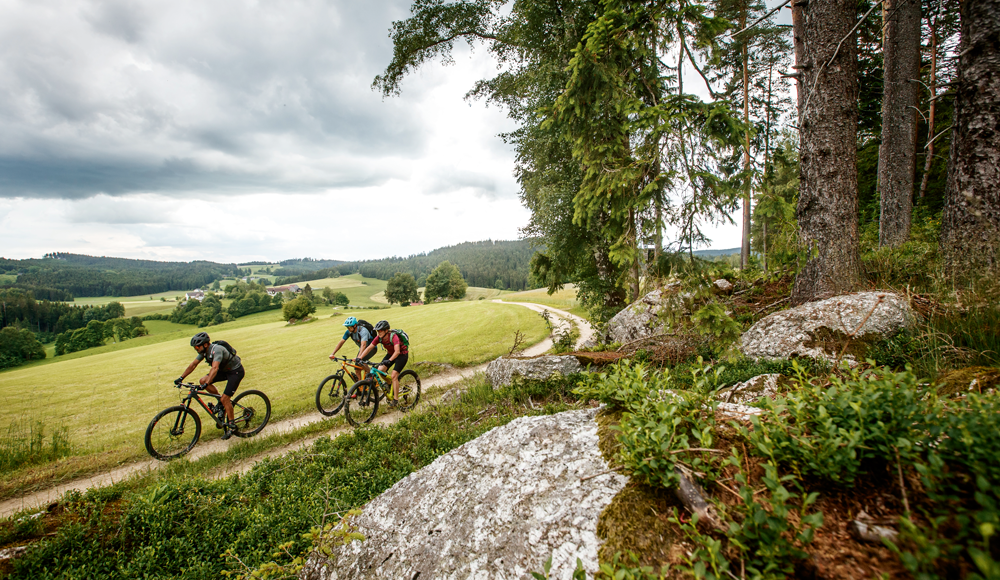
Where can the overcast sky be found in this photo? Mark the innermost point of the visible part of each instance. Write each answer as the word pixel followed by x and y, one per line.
pixel 236 130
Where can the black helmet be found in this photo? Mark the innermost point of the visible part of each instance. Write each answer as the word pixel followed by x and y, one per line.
pixel 200 339
pixel 382 325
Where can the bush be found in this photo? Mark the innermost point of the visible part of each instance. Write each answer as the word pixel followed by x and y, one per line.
pixel 298 308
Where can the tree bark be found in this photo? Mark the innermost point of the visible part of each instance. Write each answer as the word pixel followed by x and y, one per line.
pixel 897 153
pixel 745 246
pixel 828 117
pixel 932 81
pixel 970 225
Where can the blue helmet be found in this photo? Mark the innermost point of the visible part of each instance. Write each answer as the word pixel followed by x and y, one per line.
pixel 351 321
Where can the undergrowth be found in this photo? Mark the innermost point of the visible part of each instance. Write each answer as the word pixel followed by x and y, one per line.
pixel 183 526
pixel 828 431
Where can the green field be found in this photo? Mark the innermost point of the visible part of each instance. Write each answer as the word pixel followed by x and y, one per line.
pixel 106 396
pixel 359 290
pixel 472 293
pixel 8 278
pixel 564 299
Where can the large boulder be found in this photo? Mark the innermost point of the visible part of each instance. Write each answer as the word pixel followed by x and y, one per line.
pixel 639 319
pixel 503 370
pixel 823 329
pixel 497 507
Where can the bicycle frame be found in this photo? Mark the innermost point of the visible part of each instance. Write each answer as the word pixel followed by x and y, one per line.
pixel 345 365
pixel 382 380
pixel 193 394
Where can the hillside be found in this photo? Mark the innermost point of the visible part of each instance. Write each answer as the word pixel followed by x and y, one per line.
pixel 482 264
pixel 62 276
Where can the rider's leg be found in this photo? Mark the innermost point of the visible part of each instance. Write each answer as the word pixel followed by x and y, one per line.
pixel 395 383
pixel 224 399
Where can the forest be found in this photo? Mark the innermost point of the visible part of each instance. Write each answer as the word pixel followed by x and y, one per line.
pixel 61 276
pixel 488 264
pixel 862 129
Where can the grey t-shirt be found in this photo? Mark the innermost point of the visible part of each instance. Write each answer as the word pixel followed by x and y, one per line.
pixel 227 362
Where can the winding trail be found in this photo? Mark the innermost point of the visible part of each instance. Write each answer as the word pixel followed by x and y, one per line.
pixel 561 321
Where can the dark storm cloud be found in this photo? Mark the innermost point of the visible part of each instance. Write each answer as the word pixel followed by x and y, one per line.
pixel 75 179
pixel 121 97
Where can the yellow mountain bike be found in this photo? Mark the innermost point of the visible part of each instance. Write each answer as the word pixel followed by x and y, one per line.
pixel 363 396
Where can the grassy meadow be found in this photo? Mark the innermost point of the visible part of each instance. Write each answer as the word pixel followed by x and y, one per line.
pixel 105 397
pixel 359 289
pixel 564 299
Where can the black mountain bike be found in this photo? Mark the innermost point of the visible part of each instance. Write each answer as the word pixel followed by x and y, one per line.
pixel 331 391
pixel 175 430
pixel 365 395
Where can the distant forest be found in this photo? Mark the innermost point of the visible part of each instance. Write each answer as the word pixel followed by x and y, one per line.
pixel 61 276
pixel 488 264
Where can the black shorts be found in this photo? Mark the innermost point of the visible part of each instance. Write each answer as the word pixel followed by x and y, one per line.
pixel 369 355
pixel 395 365
pixel 233 379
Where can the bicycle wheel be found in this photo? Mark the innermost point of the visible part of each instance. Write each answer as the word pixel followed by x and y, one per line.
pixel 330 395
pixel 363 396
pixel 409 390
pixel 252 410
pixel 172 432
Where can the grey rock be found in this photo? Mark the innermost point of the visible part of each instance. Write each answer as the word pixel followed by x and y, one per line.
pixel 723 285
pixel 494 508
pixel 821 329
pixel 501 371
pixel 640 319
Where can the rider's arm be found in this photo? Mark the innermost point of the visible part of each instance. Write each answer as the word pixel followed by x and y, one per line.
pixel 364 350
pixel 212 372
pixel 339 344
pixel 190 368
pixel 364 345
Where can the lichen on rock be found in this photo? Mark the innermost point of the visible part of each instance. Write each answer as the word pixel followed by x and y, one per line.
pixel 497 507
pixel 823 329
pixel 502 371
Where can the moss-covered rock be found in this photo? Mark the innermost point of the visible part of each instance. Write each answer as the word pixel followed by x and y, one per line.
pixel 969 379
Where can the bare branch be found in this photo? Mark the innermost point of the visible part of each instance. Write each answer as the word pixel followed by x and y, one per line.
pixel 762 18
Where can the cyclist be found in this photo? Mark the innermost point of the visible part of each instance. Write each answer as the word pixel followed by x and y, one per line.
pixel 361 337
pixel 226 366
pixel 396 355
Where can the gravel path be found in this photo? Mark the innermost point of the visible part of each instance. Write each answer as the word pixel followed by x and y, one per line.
pixel 48 496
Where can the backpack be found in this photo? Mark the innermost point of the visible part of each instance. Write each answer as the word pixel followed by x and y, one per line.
pixel 403 338
pixel 371 330
pixel 226 345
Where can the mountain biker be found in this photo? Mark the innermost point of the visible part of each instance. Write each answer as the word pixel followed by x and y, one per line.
pixel 361 337
pixel 226 366
pixel 396 356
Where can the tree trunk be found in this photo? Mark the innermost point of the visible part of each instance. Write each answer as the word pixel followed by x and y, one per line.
pixel 932 81
pixel 745 246
pixel 828 118
pixel 897 153
pixel 970 225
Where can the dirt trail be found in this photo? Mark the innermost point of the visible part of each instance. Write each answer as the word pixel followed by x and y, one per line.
pixel 47 496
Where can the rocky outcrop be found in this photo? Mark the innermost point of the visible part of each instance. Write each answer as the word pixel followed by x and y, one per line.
pixel 723 286
pixel 494 508
pixel 639 319
pixel 501 371
pixel 822 329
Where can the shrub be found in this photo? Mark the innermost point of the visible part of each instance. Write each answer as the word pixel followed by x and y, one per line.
pixel 298 308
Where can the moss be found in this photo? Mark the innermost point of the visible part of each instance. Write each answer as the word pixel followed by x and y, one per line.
pixel 636 521
pixel 960 382
pixel 833 341
pixel 607 441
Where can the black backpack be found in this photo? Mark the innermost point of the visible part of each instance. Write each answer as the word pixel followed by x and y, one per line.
pixel 371 330
pixel 225 345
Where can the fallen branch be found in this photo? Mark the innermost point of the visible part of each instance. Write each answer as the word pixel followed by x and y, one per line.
pixel 693 497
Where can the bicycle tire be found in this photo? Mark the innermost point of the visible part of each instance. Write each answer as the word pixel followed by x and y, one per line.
pixel 252 410
pixel 409 390
pixel 330 395
pixel 366 402
pixel 168 435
